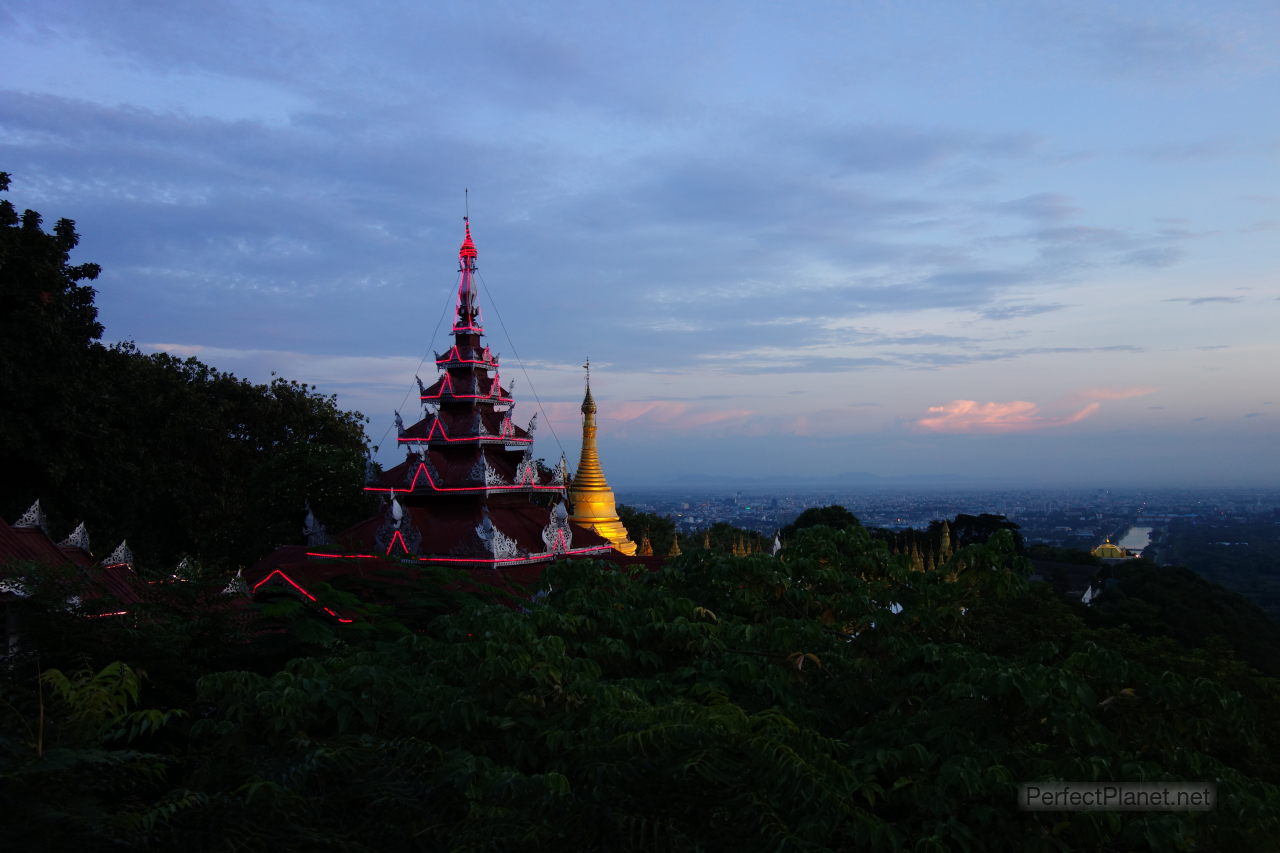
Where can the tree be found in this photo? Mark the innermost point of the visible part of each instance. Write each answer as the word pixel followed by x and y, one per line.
pixel 834 516
pixel 48 324
pixel 174 455
pixel 973 529
pixel 207 464
pixel 830 698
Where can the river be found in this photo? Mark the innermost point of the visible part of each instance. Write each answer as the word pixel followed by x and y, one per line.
pixel 1136 539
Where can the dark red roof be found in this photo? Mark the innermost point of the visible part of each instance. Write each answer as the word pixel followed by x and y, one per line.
pixel 31 544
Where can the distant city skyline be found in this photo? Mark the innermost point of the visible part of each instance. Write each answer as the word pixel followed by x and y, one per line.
pixel 1030 242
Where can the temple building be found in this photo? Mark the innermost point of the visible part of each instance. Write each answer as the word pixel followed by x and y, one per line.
pixel 593 502
pixel 1108 550
pixel 469 493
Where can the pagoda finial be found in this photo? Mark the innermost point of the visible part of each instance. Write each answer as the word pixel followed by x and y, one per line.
pixel 588 402
pixel 468 249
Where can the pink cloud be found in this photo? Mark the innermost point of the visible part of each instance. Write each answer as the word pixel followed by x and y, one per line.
pixel 962 416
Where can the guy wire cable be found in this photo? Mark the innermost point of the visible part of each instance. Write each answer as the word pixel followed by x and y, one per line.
pixel 489 295
pixel 418 371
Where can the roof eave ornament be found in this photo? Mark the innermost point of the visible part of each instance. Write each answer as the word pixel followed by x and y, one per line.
pixel 237 585
pixel 34 517
pixel 313 529
pixel 121 556
pixel 79 538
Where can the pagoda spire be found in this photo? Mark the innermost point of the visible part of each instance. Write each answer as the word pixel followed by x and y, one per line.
pixel 468 307
pixel 594 505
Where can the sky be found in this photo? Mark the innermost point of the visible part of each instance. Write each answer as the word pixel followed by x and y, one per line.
pixel 1033 241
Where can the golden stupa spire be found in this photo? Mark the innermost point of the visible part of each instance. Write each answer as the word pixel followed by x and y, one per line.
pixel 594 505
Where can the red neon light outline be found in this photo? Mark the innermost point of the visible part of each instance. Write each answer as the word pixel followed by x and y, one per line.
pixel 454 356
pixel 514 439
pixel 452 396
pixel 299 588
pixel 397 536
pixel 336 616
pixel 446 381
pixel 287 579
pixel 422 469
pixel 561 539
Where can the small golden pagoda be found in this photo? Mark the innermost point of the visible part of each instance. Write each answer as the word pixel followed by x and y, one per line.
pixel 593 503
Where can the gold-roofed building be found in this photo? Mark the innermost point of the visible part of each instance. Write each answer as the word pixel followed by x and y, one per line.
pixel 594 505
pixel 1109 551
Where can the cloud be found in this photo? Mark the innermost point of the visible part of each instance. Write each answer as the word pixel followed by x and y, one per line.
pixel 969 416
pixel 1014 312
pixel 1204 300
pixel 1155 256
pixel 1205 149
pixel 1124 43
pixel 879 148
pixel 666 413
pixel 1043 207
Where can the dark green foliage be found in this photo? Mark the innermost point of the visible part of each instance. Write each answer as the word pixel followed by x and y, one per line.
pixel 48 324
pixel 660 529
pixel 71 775
pixel 831 698
pixel 1174 602
pixel 1243 556
pixel 972 529
pixel 171 454
pixel 208 464
pixel 1051 553
pixel 722 537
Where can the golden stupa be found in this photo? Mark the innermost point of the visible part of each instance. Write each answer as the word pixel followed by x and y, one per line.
pixel 593 503
pixel 1109 551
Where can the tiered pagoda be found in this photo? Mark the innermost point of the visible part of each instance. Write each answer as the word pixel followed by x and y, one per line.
pixel 469 492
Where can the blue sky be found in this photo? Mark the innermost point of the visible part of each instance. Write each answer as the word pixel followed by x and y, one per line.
pixel 1027 240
